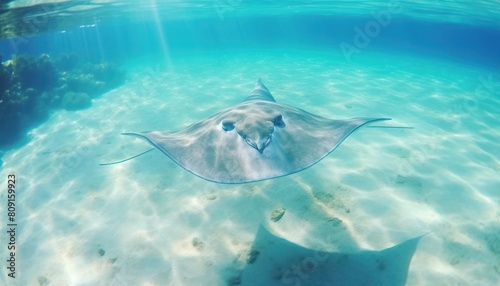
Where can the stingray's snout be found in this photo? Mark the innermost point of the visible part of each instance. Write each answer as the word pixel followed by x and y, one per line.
pixel 256 133
pixel 261 145
pixel 261 149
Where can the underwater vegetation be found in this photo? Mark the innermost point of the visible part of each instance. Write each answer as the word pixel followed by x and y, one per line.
pixel 33 86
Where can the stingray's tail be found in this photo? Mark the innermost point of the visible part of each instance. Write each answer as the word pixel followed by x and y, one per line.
pixel 389 127
pixel 125 160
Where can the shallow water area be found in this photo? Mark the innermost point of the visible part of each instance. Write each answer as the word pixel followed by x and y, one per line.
pixel 389 206
pixel 150 221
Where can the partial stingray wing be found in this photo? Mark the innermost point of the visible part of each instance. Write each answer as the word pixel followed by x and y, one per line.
pixel 209 152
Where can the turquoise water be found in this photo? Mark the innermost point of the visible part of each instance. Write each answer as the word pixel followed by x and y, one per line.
pixel 434 66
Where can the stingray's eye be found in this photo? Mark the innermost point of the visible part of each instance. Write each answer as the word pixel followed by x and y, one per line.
pixel 227 125
pixel 278 121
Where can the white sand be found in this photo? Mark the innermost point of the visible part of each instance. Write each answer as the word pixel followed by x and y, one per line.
pixel 149 222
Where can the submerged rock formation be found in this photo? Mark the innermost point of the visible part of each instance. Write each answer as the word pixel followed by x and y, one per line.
pixel 32 86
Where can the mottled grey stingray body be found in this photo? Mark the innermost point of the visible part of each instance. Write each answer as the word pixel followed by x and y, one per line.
pixel 255 140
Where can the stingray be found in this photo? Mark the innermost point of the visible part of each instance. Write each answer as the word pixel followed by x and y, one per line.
pixel 255 140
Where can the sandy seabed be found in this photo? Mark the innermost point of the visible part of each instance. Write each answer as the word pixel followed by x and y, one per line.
pixel 149 222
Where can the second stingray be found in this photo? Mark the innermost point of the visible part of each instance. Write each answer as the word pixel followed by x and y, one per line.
pixel 255 140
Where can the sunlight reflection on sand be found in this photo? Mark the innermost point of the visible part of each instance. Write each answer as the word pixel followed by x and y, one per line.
pixel 150 221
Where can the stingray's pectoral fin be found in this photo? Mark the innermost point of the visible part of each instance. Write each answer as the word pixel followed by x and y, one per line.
pixel 125 160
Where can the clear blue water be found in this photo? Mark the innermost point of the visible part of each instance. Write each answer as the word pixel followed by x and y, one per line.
pixel 432 65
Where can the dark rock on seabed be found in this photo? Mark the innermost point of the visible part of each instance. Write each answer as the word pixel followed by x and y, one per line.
pixel 33 86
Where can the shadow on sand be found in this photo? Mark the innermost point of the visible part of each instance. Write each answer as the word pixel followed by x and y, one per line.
pixel 275 261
